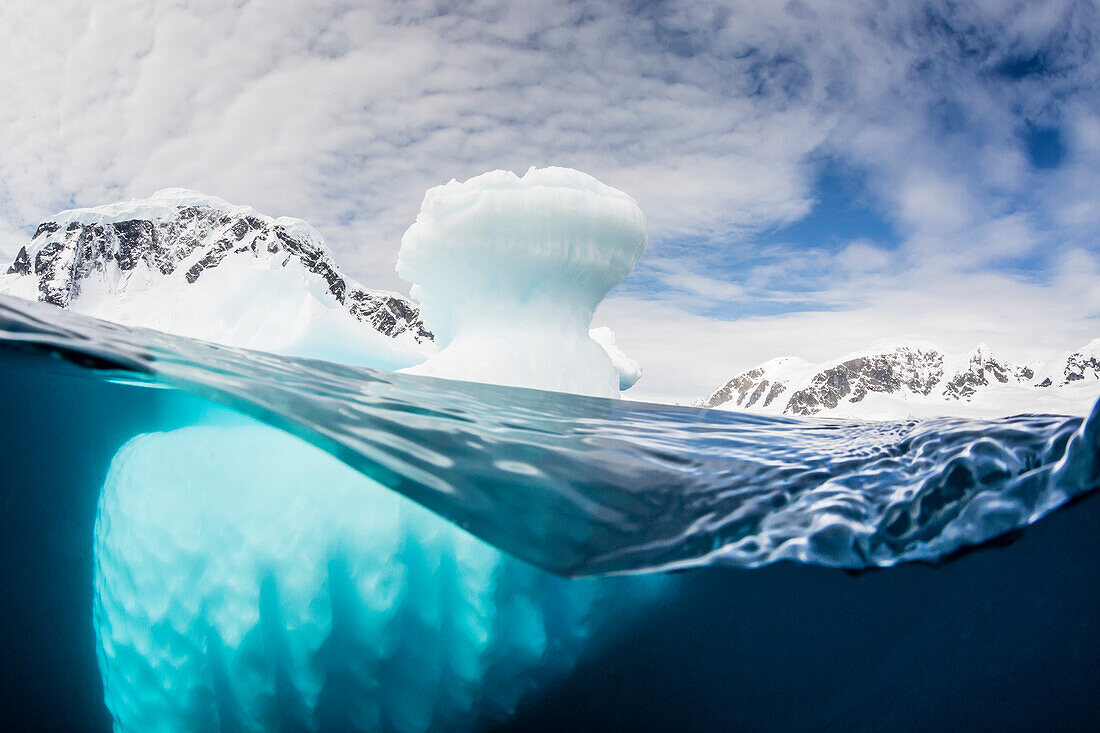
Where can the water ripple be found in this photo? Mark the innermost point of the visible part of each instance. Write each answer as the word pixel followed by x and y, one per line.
pixel 582 486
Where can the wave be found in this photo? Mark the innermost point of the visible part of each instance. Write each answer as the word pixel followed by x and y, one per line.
pixel 588 486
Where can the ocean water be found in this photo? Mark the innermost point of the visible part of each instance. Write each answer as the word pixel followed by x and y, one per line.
pixel 508 557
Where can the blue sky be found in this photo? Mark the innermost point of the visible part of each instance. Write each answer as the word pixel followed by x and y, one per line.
pixel 816 175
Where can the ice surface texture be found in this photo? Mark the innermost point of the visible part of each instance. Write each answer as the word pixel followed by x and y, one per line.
pixel 629 370
pixel 508 271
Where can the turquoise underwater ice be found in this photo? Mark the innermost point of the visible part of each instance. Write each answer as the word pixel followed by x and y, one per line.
pixel 245 578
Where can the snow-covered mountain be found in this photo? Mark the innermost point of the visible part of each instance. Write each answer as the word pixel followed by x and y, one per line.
pixel 914 378
pixel 195 265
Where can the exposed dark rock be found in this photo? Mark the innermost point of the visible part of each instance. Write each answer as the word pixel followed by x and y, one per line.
pixel 737 389
pixel 53 263
pixel 913 369
pixel 905 371
pixel 212 258
pixel 981 368
pixel 388 314
pixel 315 261
pixel 1079 366
pixel 46 227
pixel 22 263
pixel 757 394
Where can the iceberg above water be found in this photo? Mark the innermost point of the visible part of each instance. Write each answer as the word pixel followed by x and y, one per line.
pixel 508 271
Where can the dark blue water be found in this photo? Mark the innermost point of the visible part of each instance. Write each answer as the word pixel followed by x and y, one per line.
pixel 957 604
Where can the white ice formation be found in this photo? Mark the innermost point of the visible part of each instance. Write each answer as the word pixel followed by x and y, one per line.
pixel 508 271
pixel 246 580
pixel 629 370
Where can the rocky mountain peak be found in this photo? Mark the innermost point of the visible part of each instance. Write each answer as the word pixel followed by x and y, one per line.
pixel 904 369
pixel 911 374
pixel 983 369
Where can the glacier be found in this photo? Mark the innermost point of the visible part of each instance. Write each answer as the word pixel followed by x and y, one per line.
pixel 246 580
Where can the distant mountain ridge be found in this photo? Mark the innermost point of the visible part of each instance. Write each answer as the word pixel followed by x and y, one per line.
pixel 918 377
pixel 179 236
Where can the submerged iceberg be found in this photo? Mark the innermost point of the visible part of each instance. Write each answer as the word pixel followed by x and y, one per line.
pixel 508 271
pixel 247 580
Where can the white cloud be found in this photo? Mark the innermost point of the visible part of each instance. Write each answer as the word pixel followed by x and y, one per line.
pixel 344 115
pixel 928 203
pixel 862 256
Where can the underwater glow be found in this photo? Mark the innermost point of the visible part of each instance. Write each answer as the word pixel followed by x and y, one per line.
pixel 247 579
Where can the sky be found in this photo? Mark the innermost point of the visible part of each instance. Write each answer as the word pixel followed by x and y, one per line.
pixel 816 176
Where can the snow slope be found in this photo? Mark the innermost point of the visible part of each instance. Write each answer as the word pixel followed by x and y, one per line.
pixel 197 266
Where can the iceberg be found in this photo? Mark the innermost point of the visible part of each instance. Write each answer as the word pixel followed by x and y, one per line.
pixel 245 579
pixel 508 271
